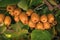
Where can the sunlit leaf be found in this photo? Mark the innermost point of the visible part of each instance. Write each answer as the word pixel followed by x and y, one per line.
pixel 3 29
pixel 53 2
pixel 40 35
pixel 24 4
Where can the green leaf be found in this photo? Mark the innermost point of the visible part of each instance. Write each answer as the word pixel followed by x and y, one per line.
pixel 24 4
pixel 16 30
pixel 23 26
pixel 58 21
pixel 57 13
pixel 16 27
pixel 24 31
pixel 13 34
pixel 3 29
pixel 40 35
pixel 35 2
pixel 10 34
pixel 58 28
pixel 4 3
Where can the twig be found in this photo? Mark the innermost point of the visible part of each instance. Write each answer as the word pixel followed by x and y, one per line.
pixel 48 4
pixel 38 6
pixel 58 6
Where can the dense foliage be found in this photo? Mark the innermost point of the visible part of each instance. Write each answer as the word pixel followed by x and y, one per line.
pixel 17 30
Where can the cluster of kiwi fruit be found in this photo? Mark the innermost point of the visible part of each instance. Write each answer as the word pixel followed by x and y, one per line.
pixel 5 20
pixel 31 18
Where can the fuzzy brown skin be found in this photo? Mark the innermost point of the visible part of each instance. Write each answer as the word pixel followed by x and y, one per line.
pixel 31 24
pixel 17 12
pixel 46 25
pixel 11 13
pixel 2 16
pixel 10 8
pixel 54 23
pixel 29 12
pixel 43 18
pixel 40 26
pixel 16 18
pixel 23 18
pixel 7 20
pixel 50 18
pixel 35 18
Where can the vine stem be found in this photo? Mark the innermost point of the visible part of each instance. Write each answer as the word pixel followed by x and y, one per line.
pixel 38 6
pixel 2 8
pixel 48 4
pixel 54 31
